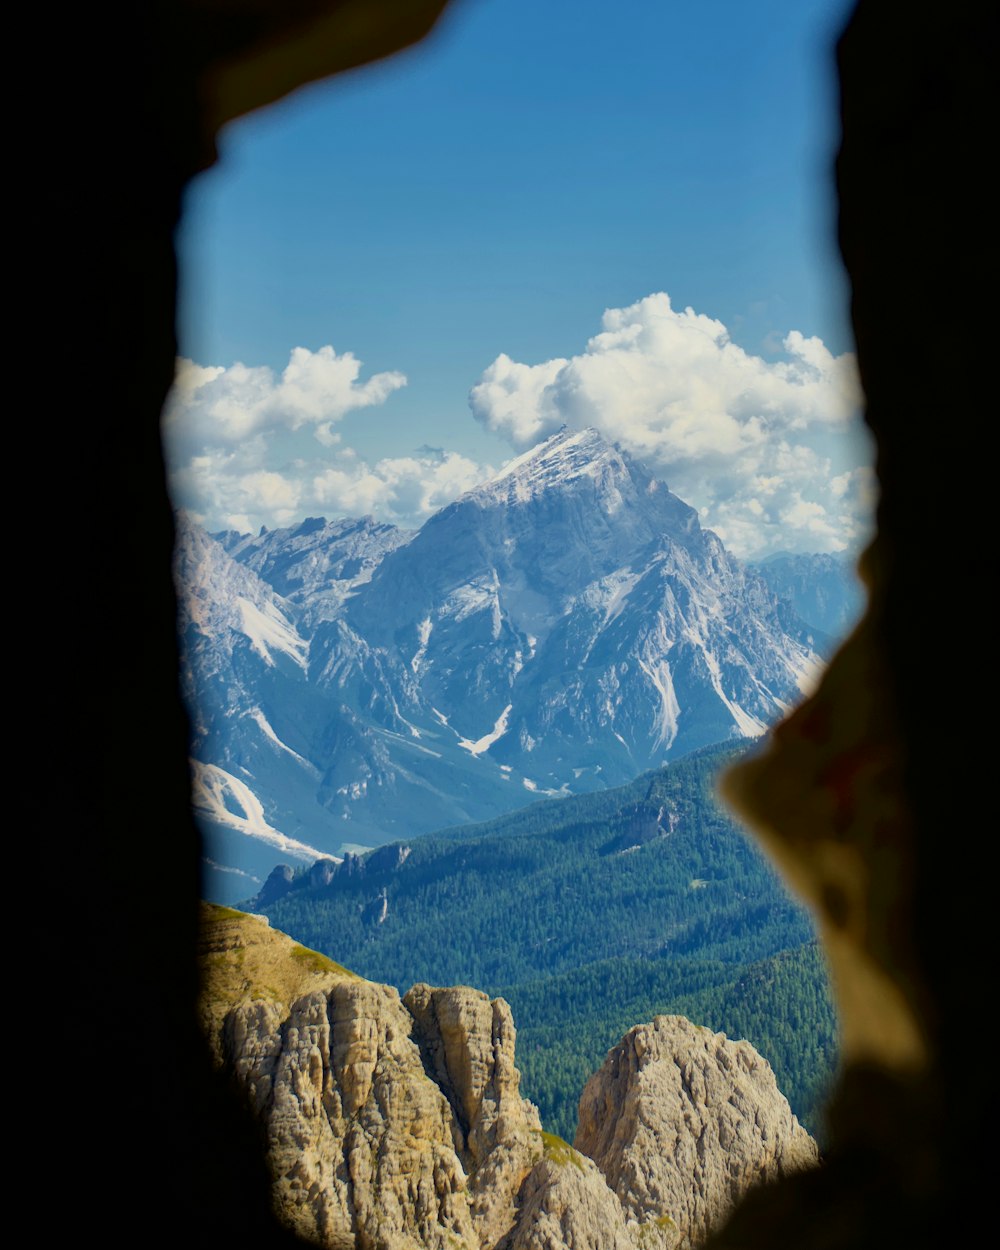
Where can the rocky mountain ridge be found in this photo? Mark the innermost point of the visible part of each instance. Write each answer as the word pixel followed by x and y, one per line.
pixel 824 589
pixel 557 630
pixel 398 1123
pixel 318 564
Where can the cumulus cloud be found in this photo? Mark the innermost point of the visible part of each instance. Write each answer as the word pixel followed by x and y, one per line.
pixel 222 407
pixel 404 489
pixel 770 452
pixel 234 463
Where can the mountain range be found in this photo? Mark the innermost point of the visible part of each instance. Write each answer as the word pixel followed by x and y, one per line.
pixel 558 630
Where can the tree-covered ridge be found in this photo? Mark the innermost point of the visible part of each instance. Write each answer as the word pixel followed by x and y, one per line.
pixel 781 1004
pixel 590 915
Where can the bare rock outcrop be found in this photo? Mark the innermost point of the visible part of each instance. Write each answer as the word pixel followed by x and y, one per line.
pixel 566 1202
pixel 399 1125
pixel 468 1044
pixel 682 1122
pixel 371 1137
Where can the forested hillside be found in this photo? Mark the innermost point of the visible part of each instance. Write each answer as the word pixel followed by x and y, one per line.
pixel 590 915
pixel 568 1023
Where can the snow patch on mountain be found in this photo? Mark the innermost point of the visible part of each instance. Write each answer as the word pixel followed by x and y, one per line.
pixel 225 602
pixel 423 636
pixel 807 669
pixel 269 630
pixel 475 596
pixel 558 460
pixel 483 744
pixel 229 801
pixel 264 724
pixel 749 726
pixel 617 588
pixel 235 872
pixel 669 710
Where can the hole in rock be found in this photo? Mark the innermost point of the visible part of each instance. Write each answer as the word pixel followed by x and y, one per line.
pixel 517 440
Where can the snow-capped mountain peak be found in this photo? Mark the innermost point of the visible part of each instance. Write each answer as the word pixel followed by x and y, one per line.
pixel 560 628
pixel 564 456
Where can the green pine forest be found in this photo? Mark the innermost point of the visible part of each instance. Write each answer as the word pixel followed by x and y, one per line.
pixel 590 915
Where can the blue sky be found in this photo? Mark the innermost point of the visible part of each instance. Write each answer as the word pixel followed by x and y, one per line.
pixel 487 196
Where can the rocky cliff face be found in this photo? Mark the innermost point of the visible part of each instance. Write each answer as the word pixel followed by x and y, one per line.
pixel 682 1122
pixel 398 1125
pixel 317 564
pixel 467 1043
pixel 385 1129
pixel 565 1202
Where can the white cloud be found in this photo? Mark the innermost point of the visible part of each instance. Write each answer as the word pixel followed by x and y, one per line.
pixel 406 489
pixel 770 452
pixel 222 407
pixel 235 463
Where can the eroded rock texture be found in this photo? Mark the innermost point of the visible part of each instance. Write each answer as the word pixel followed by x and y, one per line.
pixel 393 1125
pixel 468 1043
pixel 682 1122
pixel 370 1143
pixel 566 1202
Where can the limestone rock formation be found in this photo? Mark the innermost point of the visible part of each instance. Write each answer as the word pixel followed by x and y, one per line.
pixel 566 1202
pixel 366 1147
pixel 399 1125
pixel 566 624
pixel 468 1042
pixel 682 1122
